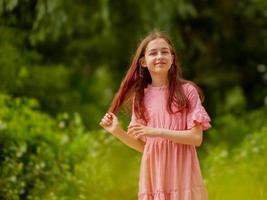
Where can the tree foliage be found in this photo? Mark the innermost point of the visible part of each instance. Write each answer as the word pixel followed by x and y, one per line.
pixel 46 158
pixel 56 50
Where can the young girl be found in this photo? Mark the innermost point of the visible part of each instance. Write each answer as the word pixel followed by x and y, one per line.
pixel 167 123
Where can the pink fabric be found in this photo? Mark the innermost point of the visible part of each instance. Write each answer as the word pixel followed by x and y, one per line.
pixel 171 171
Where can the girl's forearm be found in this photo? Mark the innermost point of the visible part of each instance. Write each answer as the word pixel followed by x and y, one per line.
pixel 191 137
pixel 133 143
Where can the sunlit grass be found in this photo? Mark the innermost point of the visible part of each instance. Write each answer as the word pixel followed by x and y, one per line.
pixel 240 174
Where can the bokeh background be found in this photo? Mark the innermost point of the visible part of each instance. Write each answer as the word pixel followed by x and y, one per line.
pixel 61 62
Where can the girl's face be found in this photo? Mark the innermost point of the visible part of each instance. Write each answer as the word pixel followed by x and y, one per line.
pixel 158 57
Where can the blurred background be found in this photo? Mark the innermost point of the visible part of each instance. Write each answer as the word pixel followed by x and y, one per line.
pixel 61 62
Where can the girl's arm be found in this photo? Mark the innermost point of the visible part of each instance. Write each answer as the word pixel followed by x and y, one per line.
pixel 111 124
pixel 133 143
pixel 191 137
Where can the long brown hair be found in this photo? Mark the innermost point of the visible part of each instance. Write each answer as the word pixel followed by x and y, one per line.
pixel 137 78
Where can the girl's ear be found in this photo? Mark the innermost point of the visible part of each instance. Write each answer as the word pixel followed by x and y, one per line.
pixel 143 62
pixel 173 58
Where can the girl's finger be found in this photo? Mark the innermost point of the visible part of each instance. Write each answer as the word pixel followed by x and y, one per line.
pixel 138 128
pixel 105 120
pixel 130 129
pixel 108 116
pixel 103 124
pixel 134 125
pixel 138 136
pixel 135 133
pixel 112 115
pixel 131 133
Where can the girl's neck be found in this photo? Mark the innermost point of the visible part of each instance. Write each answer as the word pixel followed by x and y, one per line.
pixel 159 81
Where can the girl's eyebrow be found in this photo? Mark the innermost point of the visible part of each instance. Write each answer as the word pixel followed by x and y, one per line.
pixel 164 48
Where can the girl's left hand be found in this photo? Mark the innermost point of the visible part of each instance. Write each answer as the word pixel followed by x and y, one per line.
pixel 139 130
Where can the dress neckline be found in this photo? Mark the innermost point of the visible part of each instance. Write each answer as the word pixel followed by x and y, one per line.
pixel 163 87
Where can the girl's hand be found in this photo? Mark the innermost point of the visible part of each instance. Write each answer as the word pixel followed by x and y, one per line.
pixel 139 130
pixel 110 123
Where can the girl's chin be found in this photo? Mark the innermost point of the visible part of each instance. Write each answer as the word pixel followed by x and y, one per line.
pixel 159 70
pixel 164 68
pixel 160 66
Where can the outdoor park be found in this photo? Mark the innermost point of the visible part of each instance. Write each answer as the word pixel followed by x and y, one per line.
pixel 61 63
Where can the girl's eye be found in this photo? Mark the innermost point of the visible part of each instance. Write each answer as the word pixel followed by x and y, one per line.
pixel 153 53
pixel 165 52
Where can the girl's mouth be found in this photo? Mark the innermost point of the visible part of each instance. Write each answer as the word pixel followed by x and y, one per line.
pixel 160 63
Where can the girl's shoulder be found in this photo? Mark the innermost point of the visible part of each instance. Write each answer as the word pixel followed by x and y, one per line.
pixel 192 90
pixel 189 87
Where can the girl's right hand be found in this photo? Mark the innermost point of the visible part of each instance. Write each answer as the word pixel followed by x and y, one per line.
pixel 110 122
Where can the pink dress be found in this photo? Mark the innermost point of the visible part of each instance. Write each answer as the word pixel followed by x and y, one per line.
pixel 171 171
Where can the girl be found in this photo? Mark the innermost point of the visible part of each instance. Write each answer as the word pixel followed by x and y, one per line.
pixel 167 122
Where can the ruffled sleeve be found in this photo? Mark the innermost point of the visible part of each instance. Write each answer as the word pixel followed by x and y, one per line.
pixel 197 113
pixel 134 120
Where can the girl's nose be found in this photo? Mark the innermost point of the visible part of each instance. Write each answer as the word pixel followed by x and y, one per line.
pixel 159 55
